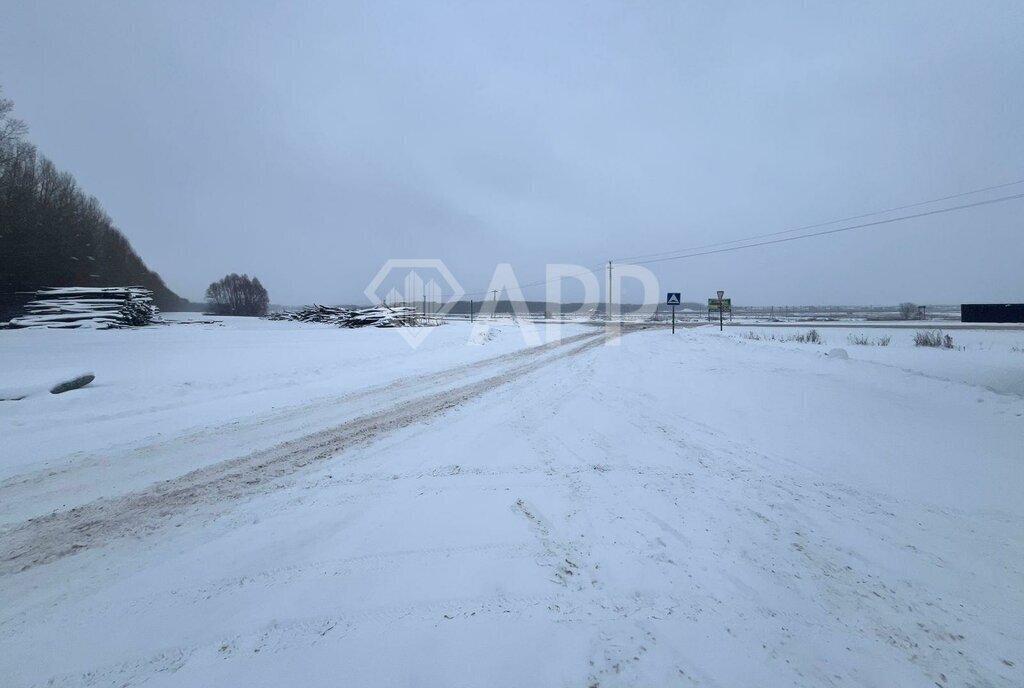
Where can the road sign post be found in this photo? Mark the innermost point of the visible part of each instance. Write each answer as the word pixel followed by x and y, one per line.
pixel 673 299
pixel 721 309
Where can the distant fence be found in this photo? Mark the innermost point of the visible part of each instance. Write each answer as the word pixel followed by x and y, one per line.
pixel 992 312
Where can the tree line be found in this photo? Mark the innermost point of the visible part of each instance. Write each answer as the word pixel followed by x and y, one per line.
pixel 238 295
pixel 53 234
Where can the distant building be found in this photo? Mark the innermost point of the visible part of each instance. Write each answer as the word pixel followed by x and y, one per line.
pixel 992 312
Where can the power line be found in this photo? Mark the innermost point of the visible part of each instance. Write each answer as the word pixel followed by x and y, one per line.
pixel 823 224
pixel 541 283
pixel 687 253
pixel 939 211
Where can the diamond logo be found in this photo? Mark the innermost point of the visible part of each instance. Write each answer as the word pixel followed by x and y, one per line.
pixel 415 282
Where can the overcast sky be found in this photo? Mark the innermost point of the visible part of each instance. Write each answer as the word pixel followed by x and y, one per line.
pixel 306 143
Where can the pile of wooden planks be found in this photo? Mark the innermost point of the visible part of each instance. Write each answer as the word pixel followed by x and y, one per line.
pixel 314 313
pixel 89 307
pixel 378 316
pixel 383 316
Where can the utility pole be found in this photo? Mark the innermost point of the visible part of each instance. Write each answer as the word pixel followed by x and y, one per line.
pixel 609 313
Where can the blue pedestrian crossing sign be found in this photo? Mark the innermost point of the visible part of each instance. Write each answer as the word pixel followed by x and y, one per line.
pixel 673 299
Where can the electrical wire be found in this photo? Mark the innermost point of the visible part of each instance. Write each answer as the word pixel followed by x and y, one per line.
pixel 990 201
pixel 822 224
pixel 727 246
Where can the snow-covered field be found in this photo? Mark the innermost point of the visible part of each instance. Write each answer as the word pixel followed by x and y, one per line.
pixel 269 504
pixel 165 385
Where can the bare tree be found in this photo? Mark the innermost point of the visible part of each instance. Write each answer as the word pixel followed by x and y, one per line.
pixel 908 310
pixel 11 130
pixel 238 295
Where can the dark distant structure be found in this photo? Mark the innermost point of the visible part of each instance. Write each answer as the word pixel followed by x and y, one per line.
pixel 992 312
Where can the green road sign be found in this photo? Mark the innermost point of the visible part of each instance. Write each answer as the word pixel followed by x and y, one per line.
pixel 725 303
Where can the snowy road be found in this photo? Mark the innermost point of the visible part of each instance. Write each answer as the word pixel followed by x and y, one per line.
pixel 53 534
pixel 687 510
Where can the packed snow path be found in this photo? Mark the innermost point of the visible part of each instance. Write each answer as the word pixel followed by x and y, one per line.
pixel 402 403
pixel 687 510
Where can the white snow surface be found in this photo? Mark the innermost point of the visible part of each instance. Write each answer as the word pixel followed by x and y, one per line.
pixel 688 509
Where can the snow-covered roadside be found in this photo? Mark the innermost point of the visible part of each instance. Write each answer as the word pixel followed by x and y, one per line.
pixel 163 380
pixel 676 510
pixel 989 358
pixel 168 400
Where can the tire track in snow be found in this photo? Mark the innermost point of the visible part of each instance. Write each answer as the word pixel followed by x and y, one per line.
pixel 23 492
pixel 625 637
pixel 562 556
pixel 62 533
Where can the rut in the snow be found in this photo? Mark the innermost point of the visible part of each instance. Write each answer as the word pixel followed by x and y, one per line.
pixel 47 538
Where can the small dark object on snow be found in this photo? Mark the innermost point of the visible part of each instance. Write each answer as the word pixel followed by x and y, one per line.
pixel 80 381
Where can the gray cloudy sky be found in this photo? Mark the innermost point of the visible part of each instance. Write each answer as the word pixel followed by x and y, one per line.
pixel 307 143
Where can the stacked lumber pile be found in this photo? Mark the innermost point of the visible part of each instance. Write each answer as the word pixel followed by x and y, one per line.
pixel 91 307
pixel 315 313
pixel 382 316
pixel 379 316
